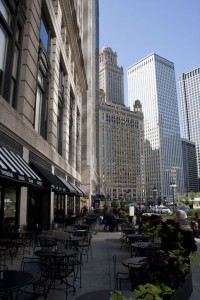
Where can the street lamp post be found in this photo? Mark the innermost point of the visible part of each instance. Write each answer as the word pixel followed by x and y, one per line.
pixel 154 194
pixel 173 186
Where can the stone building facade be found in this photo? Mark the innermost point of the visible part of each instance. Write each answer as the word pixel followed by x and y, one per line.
pixel 89 172
pixel 121 136
pixel 111 76
pixel 42 86
pixel 121 152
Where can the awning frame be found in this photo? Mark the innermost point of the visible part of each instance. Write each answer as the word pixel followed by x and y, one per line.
pixel 79 192
pixel 14 167
pixel 50 180
pixel 71 191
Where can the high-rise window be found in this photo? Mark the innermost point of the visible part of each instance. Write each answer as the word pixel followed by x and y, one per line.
pixel 11 20
pixel 42 81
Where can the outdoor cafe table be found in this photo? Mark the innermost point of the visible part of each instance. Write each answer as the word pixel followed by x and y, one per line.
pixel 102 295
pixel 4 241
pixel 23 234
pixel 69 241
pixel 56 259
pixel 69 230
pixel 137 261
pixel 144 248
pixel 58 252
pixel 13 280
pixel 138 237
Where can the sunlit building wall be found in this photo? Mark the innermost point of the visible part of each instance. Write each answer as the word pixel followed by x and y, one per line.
pixel 111 76
pixel 189 167
pixel 121 136
pixel 91 60
pixel 42 86
pixel 189 83
pixel 152 81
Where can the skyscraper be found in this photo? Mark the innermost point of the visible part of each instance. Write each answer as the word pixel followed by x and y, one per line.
pixel 111 76
pixel 152 81
pixel 189 167
pixel 189 83
pixel 121 151
pixel 121 136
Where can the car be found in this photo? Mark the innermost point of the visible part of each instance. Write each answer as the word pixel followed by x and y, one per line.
pixel 153 209
pixel 165 211
pixel 183 207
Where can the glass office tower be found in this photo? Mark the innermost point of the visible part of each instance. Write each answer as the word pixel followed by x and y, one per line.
pixel 152 81
pixel 189 84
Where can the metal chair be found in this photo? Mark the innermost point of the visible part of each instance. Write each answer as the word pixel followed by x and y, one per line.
pixel 4 295
pixel 85 247
pixel 57 269
pixel 137 274
pixel 77 262
pixel 38 287
pixel 121 279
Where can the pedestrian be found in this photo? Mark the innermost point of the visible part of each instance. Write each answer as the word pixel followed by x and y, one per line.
pixel 111 221
pixel 105 220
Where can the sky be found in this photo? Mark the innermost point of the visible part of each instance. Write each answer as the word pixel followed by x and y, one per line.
pixel 137 28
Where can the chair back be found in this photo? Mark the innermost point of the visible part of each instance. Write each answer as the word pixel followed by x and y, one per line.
pixel 55 267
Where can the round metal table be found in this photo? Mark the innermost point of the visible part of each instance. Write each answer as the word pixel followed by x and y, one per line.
pixel 102 295
pixel 138 260
pixel 58 252
pixel 145 248
pixel 14 279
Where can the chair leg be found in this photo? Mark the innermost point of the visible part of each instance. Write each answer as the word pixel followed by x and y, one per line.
pixel 114 271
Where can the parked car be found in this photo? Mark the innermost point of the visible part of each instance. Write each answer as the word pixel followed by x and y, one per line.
pixel 164 210
pixel 154 209
pixel 183 207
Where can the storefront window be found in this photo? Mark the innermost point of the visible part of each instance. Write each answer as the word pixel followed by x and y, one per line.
pixel 59 207
pixel 70 206
pixel 9 208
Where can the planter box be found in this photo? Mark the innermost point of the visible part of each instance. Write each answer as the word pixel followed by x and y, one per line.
pixel 184 292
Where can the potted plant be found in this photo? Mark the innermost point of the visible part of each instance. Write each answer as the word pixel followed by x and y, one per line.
pixel 153 292
pixel 168 268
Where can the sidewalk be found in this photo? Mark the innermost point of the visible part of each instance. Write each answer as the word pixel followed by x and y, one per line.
pixel 97 274
pixel 196 274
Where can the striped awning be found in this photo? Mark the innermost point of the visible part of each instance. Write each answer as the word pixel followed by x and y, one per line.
pixel 70 190
pixel 14 167
pixel 79 192
pixel 49 180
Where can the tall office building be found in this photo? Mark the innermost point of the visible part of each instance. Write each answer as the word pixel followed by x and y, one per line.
pixel 111 76
pixel 152 81
pixel 189 83
pixel 189 167
pixel 121 139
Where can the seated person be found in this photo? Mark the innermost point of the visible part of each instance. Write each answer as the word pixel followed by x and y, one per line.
pixel 181 217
